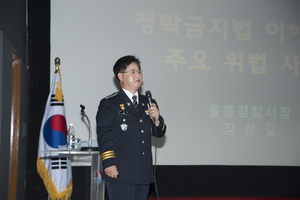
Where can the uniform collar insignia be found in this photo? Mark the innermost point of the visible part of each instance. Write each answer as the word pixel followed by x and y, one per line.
pixel 122 106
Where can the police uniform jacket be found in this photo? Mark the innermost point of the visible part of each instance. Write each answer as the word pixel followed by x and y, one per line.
pixel 124 138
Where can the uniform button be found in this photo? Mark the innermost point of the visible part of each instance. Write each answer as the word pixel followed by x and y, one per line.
pixel 143 153
pixel 141 120
pixel 143 141
pixel 142 131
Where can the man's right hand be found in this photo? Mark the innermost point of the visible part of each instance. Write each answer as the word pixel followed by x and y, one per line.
pixel 112 171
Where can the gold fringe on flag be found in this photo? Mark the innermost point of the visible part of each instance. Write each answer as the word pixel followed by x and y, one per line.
pixel 50 187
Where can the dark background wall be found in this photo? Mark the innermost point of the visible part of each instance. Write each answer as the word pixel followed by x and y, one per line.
pixel 33 45
pixel 5 105
pixel 39 70
pixel 13 23
pixel 26 25
pixel 14 34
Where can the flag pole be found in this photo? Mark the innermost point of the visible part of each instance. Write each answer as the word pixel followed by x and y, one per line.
pixel 57 67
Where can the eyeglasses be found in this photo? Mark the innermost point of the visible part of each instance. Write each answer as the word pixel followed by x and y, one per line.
pixel 133 72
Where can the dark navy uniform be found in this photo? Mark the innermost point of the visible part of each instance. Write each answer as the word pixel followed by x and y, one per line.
pixel 124 138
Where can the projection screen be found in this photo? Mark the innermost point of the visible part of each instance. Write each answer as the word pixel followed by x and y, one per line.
pixel 225 73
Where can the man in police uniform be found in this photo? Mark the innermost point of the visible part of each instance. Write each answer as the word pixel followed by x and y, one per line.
pixel 124 129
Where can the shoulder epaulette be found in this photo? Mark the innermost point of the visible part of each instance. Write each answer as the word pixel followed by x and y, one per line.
pixel 112 95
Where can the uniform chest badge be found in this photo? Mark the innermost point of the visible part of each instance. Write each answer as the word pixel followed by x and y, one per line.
pixel 124 126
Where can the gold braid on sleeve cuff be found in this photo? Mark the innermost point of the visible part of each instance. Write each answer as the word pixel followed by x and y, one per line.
pixel 107 154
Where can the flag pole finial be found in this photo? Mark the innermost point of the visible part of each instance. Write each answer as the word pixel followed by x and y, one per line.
pixel 57 62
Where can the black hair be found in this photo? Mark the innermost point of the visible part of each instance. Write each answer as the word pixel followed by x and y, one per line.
pixel 123 62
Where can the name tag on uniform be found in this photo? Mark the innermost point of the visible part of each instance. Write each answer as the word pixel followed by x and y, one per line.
pixel 123 112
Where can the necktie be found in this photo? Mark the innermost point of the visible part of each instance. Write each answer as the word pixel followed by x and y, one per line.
pixel 134 102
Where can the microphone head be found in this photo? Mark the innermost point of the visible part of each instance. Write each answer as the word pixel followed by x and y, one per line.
pixel 148 94
pixel 82 108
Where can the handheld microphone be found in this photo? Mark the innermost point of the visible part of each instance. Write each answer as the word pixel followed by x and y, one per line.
pixel 149 96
